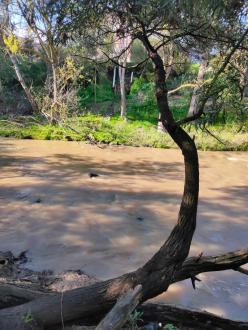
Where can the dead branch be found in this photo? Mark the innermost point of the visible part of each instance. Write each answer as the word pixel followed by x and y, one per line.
pixel 195 265
pixel 120 313
pixel 184 317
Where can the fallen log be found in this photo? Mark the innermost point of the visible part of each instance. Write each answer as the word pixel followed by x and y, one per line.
pixel 188 318
pixel 183 318
pixel 16 289
pixel 15 294
pixel 19 291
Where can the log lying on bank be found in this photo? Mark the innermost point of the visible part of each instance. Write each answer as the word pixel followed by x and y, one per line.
pixel 188 318
pixel 21 285
pixel 153 315
pixel 24 285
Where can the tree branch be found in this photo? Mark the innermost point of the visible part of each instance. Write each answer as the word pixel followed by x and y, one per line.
pixel 120 313
pixel 211 85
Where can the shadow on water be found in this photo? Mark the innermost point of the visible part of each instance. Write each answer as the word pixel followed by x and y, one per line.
pixel 113 223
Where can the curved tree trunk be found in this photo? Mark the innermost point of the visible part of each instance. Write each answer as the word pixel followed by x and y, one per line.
pixel 157 274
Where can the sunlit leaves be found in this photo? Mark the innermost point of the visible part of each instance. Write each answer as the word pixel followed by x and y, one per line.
pixel 12 43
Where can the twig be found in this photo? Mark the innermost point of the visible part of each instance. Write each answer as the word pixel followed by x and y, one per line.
pixel 213 135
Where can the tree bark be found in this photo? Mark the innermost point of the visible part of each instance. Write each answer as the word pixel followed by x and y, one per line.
pixel 168 61
pixel 22 82
pixel 17 290
pixel 193 108
pixel 187 318
pixel 243 82
pixel 120 313
pixel 122 72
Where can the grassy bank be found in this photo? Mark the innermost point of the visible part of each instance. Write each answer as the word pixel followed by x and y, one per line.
pixel 99 129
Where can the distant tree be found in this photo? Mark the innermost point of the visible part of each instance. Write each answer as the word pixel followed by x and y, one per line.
pixel 11 44
pixel 40 17
pixel 41 20
pixel 193 108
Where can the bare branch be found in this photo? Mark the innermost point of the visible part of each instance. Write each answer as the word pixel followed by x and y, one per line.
pixel 120 313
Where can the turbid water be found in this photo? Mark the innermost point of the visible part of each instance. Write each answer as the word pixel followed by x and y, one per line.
pixel 113 223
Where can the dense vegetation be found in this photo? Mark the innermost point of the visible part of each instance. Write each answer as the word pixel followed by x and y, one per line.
pixel 97 119
pixel 87 106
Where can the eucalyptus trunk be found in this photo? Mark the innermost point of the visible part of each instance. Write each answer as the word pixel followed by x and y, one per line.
pixel 193 108
pixel 22 82
pixel 122 71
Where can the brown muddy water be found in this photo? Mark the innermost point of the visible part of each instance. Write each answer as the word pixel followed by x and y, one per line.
pixel 114 223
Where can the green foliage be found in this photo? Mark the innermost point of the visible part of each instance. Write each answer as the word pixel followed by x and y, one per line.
pixel 141 85
pixel 99 129
pixel 142 103
pixel 227 105
pixel 179 106
pixel 103 90
pixel 7 74
pixel 138 52
pixel 170 326
pixel 28 318
pixel 132 323
pixel 193 68
pixel 34 72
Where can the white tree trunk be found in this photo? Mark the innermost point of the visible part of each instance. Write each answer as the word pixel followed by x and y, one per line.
pixel 55 91
pixel 22 82
pixel 122 71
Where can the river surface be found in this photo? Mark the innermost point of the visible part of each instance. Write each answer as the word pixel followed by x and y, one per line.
pixel 115 222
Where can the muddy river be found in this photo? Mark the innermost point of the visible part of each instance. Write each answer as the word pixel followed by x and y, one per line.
pixel 113 223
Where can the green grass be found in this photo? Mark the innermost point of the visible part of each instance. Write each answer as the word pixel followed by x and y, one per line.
pixel 99 129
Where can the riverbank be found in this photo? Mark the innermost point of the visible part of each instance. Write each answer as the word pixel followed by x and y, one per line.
pixel 116 131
